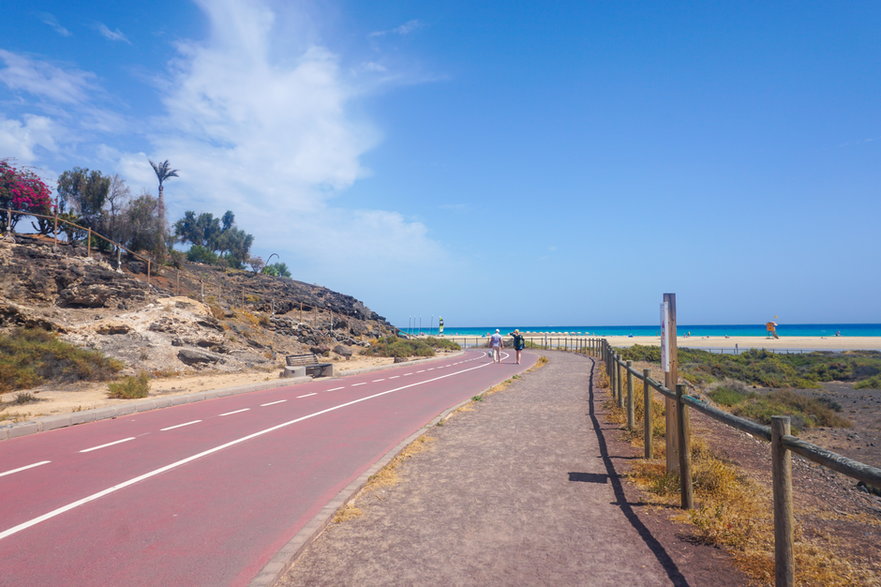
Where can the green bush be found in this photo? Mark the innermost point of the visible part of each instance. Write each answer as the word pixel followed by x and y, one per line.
pixel 870 383
pixel 761 367
pixel 31 357
pixel 805 412
pixel 392 346
pixel 730 395
pixel 131 387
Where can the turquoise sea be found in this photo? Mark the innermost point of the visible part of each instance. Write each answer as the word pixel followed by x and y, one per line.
pixel 757 330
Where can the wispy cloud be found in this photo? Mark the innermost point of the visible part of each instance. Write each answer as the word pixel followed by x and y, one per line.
pixel 42 79
pixel 111 35
pixel 408 28
pixel 52 22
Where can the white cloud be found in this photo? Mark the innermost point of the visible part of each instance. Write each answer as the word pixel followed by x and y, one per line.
pixel 51 21
pixel 67 86
pixel 403 30
pixel 20 138
pixel 110 35
pixel 259 120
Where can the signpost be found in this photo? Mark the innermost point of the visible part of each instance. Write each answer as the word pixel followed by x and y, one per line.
pixel 670 364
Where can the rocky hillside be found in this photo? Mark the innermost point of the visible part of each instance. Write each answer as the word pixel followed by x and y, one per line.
pixel 195 318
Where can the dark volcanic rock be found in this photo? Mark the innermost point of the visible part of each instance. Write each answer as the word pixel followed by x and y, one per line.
pixel 193 357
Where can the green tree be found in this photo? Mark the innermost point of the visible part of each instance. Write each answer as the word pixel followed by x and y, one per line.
pixel 140 226
pixel 202 230
pixel 214 239
pixel 85 193
pixel 235 245
pixel 277 270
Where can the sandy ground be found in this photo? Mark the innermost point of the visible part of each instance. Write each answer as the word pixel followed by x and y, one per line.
pixel 825 343
pixel 85 396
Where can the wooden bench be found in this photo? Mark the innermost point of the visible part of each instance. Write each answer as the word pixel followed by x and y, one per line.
pixel 306 364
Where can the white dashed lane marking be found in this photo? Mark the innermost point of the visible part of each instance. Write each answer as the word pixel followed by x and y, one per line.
pixel 235 412
pixel 334 389
pixel 281 401
pixel 307 395
pixel 377 380
pixel 108 444
pixel 25 468
pixel 357 384
pixel 179 425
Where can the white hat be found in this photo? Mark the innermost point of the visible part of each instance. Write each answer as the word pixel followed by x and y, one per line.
pixel 497 329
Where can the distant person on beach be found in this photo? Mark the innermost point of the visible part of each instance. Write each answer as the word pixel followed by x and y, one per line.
pixel 495 343
pixel 519 343
pixel 771 327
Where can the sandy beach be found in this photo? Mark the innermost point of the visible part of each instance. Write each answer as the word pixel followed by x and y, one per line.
pixel 732 344
pixel 831 343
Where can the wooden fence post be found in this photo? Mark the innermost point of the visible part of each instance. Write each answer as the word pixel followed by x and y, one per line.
pixel 89 249
pixel 684 450
pixel 148 271
pixel 647 414
pixel 620 384
pixel 781 465
pixel 629 396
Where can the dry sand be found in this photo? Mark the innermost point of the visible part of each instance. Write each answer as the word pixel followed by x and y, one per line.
pixel 830 343
pixel 85 396
pixel 823 343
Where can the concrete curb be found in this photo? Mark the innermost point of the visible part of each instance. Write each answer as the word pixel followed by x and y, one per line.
pixel 46 423
pixel 54 422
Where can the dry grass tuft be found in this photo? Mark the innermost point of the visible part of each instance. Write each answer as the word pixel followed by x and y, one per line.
pixel 385 477
pixel 346 513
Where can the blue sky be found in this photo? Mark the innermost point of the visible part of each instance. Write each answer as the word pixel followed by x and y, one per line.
pixel 497 163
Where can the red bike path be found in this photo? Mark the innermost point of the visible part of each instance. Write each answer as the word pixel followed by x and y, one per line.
pixel 209 493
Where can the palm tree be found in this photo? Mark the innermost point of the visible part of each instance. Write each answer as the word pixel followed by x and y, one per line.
pixel 162 173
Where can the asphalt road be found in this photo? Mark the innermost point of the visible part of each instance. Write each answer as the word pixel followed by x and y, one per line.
pixel 206 493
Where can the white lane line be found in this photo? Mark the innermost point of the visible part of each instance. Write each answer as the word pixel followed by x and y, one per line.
pixel 406 374
pixel 421 371
pixel 236 412
pixel 210 451
pixel 281 401
pixel 335 388
pixel 378 380
pixel 307 395
pixel 357 384
pixel 25 468
pixel 179 425
pixel 108 444
pixel 394 376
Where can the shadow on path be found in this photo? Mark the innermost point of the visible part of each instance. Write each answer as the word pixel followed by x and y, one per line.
pixel 612 476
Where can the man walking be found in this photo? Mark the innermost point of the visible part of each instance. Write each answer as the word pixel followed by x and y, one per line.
pixel 496 344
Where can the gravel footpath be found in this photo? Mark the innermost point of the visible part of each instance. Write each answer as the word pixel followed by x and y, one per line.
pixel 525 489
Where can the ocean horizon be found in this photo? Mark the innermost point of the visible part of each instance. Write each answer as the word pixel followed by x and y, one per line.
pixel 757 330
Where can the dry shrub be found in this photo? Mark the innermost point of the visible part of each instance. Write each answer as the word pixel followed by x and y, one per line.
pixel 131 387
